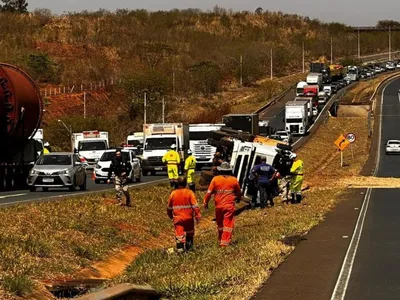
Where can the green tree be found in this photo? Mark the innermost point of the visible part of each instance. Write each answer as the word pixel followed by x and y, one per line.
pixel 206 77
pixel 42 68
pixel 19 6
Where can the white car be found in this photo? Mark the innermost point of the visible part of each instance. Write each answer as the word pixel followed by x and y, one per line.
pixel 103 166
pixel 390 66
pixel 285 136
pixel 315 111
pixel 398 65
pixel 393 146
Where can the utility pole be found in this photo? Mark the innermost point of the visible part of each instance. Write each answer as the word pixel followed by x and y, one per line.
pixel 272 66
pixel 303 58
pixel 331 51
pixel 358 45
pixel 163 109
pixel 145 108
pixel 390 43
pixel 241 69
pixel 84 105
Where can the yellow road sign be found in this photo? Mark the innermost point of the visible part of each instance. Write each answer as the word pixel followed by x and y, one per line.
pixel 342 143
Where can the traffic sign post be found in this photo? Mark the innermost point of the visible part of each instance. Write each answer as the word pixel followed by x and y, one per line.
pixel 342 142
pixel 351 137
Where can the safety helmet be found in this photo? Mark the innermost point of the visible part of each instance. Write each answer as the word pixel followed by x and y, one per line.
pixel 293 156
pixel 46 144
pixel 189 152
pixel 173 146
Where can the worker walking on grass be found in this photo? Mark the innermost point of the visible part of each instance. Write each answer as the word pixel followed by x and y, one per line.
pixel 265 174
pixel 173 160
pixel 227 191
pixel 190 168
pixel 183 209
pixel 121 169
pixel 297 173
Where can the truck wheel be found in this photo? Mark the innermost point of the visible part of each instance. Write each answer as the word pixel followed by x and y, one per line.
pixel 83 186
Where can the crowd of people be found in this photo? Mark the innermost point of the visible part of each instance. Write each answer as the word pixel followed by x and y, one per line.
pixel 264 184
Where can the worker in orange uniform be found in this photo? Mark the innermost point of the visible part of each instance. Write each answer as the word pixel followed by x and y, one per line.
pixel 190 169
pixel 173 160
pixel 227 191
pixel 183 209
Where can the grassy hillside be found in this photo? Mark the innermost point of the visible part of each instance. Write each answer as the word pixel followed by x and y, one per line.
pixel 187 56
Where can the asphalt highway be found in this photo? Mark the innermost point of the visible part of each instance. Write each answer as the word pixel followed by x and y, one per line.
pixel 375 272
pixel 25 196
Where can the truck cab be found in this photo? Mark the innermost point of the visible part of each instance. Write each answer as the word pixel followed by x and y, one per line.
pixel 198 136
pixel 297 117
pixel 91 145
pixel 158 139
pixel 245 155
pixel 135 139
pixel 300 88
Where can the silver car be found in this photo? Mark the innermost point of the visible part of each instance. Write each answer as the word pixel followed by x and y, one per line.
pixel 56 170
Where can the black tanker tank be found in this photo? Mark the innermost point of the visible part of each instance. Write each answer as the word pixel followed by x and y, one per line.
pixel 21 110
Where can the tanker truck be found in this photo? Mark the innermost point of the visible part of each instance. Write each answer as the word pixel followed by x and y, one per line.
pixel 21 110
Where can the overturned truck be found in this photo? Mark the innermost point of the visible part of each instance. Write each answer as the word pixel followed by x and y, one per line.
pixel 244 150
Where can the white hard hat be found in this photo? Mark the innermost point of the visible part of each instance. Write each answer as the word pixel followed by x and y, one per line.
pixel 46 144
pixel 293 156
pixel 189 152
pixel 173 146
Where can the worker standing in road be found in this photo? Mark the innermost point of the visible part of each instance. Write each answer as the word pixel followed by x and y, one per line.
pixel 227 191
pixel 121 169
pixel 183 209
pixel 173 160
pixel 46 149
pixel 297 173
pixel 265 174
pixel 190 168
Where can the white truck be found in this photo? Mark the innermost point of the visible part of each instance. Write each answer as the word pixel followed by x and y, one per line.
pixel 322 98
pixel 135 139
pixel 158 139
pixel 90 145
pixel 300 88
pixel 315 79
pixel 38 137
pixel 296 117
pixel 310 104
pixel 328 90
pixel 353 73
pixel 198 136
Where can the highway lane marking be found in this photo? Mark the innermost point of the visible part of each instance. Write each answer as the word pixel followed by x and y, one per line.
pixel 77 194
pixel 340 289
pixel 11 196
pixel 339 292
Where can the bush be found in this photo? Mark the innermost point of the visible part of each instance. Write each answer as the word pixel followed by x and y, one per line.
pixel 42 68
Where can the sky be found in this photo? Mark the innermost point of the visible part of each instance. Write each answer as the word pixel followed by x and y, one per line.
pixel 351 12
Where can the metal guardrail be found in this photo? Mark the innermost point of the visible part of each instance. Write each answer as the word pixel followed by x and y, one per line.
pixel 275 100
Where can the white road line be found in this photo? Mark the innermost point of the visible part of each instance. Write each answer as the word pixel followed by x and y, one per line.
pixel 11 196
pixel 340 289
pixel 339 292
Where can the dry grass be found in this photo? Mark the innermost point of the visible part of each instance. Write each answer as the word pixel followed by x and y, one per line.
pixel 53 240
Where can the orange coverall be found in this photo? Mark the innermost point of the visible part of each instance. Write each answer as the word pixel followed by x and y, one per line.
pixel 183 208
pixel 227 191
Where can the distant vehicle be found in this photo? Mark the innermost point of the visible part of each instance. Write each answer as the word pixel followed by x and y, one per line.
pixel 390 66
pixel 297 117
pixel 277 137
pixel 393 146
pixel 398 65
pixel 300 88
pixel 135 139
pixel 322 98
pixel 353 73
pixel 347 80
pixel 363 75
pixel 103 166
pixel 315 79
pixel 378 69
pixel 57 170
pixel 315 111
pixel 328 90
pixel 286 136
pixel 334 87
pixel 90 144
